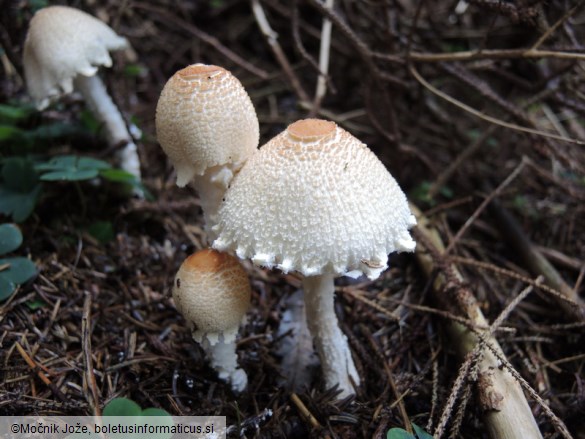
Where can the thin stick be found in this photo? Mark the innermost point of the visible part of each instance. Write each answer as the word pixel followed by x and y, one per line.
pixel 555 26
pixel 89 376
pixel 37 369
pixel 494 268
pixel 485 117
pixel 272 39
pixel 161 14
pixel 474 55
pixel 323 59
pixel 354 293
pixel 484 204
pixel 304 411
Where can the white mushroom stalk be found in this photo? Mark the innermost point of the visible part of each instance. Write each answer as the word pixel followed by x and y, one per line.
pixel 316 200
pixel 207 126
pixel 212 291
pixel 330 342
pixel 63 49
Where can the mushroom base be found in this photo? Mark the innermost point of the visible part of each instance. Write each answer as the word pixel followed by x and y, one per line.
pixel 331 344
pixel 224 360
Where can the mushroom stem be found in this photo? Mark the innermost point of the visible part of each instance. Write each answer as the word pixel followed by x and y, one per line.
pixel 211 187
pixel 96 96
pixel 224 360
pixel 331 343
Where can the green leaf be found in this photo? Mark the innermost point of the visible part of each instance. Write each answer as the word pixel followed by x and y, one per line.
pixel 157 417
pixel 89 122
pixel 119 176
pixel 6 288
pixel 12 114
pixel 71 168
pixel 18 270
pixel 103 231
pixel 33 305
pixel 91 163
pixel 9 132
pixel 72 162
pixel 19 205
pixel 399 433
pixel 70 175
pixel 421 434
pixel 46 132
pixel 122 407
pixel 38 4
pixel 134 70
pixel 155 412
pixel 10 238
pixel 19 174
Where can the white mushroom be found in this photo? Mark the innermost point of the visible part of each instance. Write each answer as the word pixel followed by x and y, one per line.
pixel 316 200
pixel 63 49
pixel 212 291
pixel 207 125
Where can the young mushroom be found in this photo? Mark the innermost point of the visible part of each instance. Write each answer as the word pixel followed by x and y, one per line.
pixel 212 291
pixel 63 49
pixel 207 126
pixel 316 200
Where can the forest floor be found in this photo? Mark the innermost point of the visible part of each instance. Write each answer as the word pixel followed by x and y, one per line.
pixel 477 109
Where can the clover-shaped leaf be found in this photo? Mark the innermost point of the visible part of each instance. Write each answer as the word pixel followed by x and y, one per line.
pixel 10 238
pixel 132 414
pixel 71 168
pixel 13 271
pixel 19 189
pixel 399 433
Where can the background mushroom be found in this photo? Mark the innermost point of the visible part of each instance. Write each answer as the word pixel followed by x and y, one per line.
pixel 316 200
pixel 63 49
pixel 212 291
pixel 207 125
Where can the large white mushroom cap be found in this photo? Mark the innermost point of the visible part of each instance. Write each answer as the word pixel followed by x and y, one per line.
pixel 212 292
pixel 205 118
pixel 62 43
pixel 315 200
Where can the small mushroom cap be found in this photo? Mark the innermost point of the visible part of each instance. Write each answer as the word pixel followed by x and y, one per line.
pixel 316 200
pixel 61 43
pixel 212 292
pixel 205 118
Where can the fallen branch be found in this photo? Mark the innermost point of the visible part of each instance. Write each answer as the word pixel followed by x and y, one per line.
pixel 506 410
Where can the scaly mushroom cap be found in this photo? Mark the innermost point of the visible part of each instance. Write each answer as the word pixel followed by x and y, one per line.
pixel 315 200
pixel 205 118
pixel 212 292
pixel 62 43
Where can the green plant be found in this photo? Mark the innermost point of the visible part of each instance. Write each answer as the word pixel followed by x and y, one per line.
pixel 21 179
pixel 14 271
pixel 127 407
pixel 399 433
pixel 133 413
pixel 22 173
pixel 19 188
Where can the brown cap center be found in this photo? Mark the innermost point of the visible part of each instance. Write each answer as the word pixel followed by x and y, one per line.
pixel 206 261
pixel 308 130
pixel 199 71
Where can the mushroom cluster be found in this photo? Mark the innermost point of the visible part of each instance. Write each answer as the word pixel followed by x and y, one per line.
pixel 63 50
pixel 313 200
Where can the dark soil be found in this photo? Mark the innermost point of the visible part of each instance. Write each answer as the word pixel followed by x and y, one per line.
pixel 109 303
